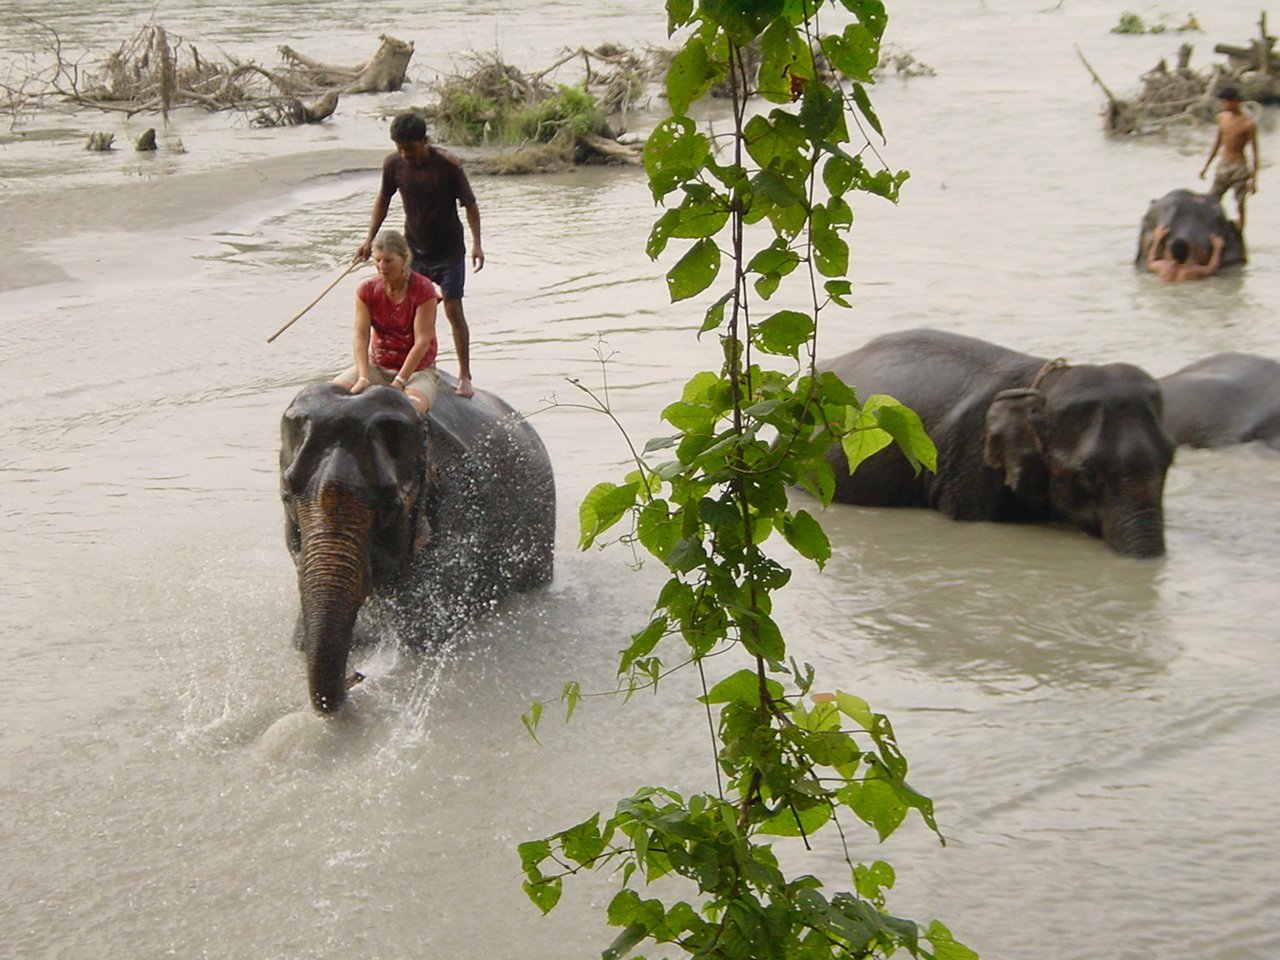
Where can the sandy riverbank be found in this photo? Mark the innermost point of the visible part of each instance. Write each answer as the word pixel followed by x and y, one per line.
pixel 155 205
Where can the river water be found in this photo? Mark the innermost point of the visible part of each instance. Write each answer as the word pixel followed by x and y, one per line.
pixel 1100 733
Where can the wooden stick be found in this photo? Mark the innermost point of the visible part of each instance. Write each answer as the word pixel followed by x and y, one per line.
pixel 351 266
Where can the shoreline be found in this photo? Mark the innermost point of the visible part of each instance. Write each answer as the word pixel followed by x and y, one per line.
pixel 155 205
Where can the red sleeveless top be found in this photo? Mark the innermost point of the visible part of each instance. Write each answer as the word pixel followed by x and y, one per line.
pixel 392 335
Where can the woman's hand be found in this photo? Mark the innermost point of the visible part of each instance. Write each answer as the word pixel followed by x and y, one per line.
pixel 465 389
pixel 360 385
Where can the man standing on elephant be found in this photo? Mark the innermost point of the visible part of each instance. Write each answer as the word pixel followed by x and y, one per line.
pixel 432 185
pixel 1236 130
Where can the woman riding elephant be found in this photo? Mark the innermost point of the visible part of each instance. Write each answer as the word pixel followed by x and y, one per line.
pixel 1019 438
pixel 395 327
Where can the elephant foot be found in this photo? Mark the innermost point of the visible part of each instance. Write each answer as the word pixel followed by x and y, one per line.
pixel 354 679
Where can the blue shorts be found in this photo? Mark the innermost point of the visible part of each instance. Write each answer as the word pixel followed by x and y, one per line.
pixel 450 276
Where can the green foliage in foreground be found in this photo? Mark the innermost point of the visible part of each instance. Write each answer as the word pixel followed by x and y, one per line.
pixel 708 496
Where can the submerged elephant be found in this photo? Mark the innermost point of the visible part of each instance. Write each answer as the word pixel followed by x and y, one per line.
pixel 1193 218
pixel 438 516
pixel 1224 399
pixel 1019 438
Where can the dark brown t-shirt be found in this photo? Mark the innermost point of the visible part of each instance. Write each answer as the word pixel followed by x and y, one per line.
pixel 431 192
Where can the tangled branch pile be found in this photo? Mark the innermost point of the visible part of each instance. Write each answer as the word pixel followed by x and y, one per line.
pixel 156 70
pixel 1183 95
pixel 1167 97
pixel 547 125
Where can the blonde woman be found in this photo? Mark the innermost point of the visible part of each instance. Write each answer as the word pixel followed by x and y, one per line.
pixel 395 326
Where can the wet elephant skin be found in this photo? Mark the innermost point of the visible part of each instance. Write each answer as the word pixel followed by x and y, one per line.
pixel 1020 439
pixel 429 519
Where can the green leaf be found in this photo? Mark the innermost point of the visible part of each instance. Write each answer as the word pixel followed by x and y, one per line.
pixel 784 55
pixel 804 533
pixel 744 687
pixel 602 507
pixel 679 13
pixel 695 271
pixel 571 695
pixel 674 153
pixel 796 821
pixel 945 946
pixel 839 291
pixel 877 804
pixel 870 13
pixel 625 942
pixel 864 107
pixel 856 709
pixel 532 853
pixel 854 53
pixel 545 892
pixel 530 719
pixel 715 314
pixel 864 441
pixel 905 427
pixel 692 73
pixel 583 843
pixel 657 528
pixel 783 333
pixel 742 20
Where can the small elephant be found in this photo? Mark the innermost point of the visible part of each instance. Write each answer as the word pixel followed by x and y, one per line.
pixel 1194 218
pixel 1019 438
pixel 1224 399
pixel 437 515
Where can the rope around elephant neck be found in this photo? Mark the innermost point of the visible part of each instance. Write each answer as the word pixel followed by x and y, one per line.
pixel 1058 363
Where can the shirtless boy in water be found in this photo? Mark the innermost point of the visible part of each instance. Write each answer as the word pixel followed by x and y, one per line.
pixel 1236 130
pixel 1174 267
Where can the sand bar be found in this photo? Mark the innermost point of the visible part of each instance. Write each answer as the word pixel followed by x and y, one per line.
pixel 156 204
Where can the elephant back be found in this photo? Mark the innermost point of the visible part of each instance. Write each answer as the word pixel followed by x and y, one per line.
pixel 490 497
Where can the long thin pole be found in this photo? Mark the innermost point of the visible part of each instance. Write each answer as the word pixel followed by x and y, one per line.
pixel 351 266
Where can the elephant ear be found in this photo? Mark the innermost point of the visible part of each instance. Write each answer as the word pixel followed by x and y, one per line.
pixel 1012 443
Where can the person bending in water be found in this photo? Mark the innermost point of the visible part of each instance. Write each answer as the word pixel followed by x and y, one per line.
pixel 1173 267
pixel 1236 131
pixel 395 327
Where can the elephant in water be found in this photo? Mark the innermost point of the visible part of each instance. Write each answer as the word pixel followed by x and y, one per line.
pixel 1193 218
pixel 1224 399
pixel 437 515
pixel 1019 438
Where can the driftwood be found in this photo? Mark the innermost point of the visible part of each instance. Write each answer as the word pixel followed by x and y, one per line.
pixel 1182 94
pixel 158 71
pixel 384 71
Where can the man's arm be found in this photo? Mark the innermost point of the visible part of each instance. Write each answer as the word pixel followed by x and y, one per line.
pixel 1257 163
pixel 380 207
pixel 1157 236
pixel 473 221
pixel 1216 243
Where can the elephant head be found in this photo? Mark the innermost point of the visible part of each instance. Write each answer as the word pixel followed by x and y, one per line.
pixel 1192 218
pixel 351 475
pixel 1087 448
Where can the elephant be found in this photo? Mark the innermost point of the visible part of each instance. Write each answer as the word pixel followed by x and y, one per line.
pixel 432 517
pixel 1195 218
pixel 1019 438
pixel 1223 399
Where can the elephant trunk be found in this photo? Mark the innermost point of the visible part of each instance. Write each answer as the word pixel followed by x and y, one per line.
pixel 1136 530
pixel 333 580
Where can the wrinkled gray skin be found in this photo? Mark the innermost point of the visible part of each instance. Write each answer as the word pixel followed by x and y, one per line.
pixel 1195 217
pixel 1224 399
pixel 431 519
pixel 1086 448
